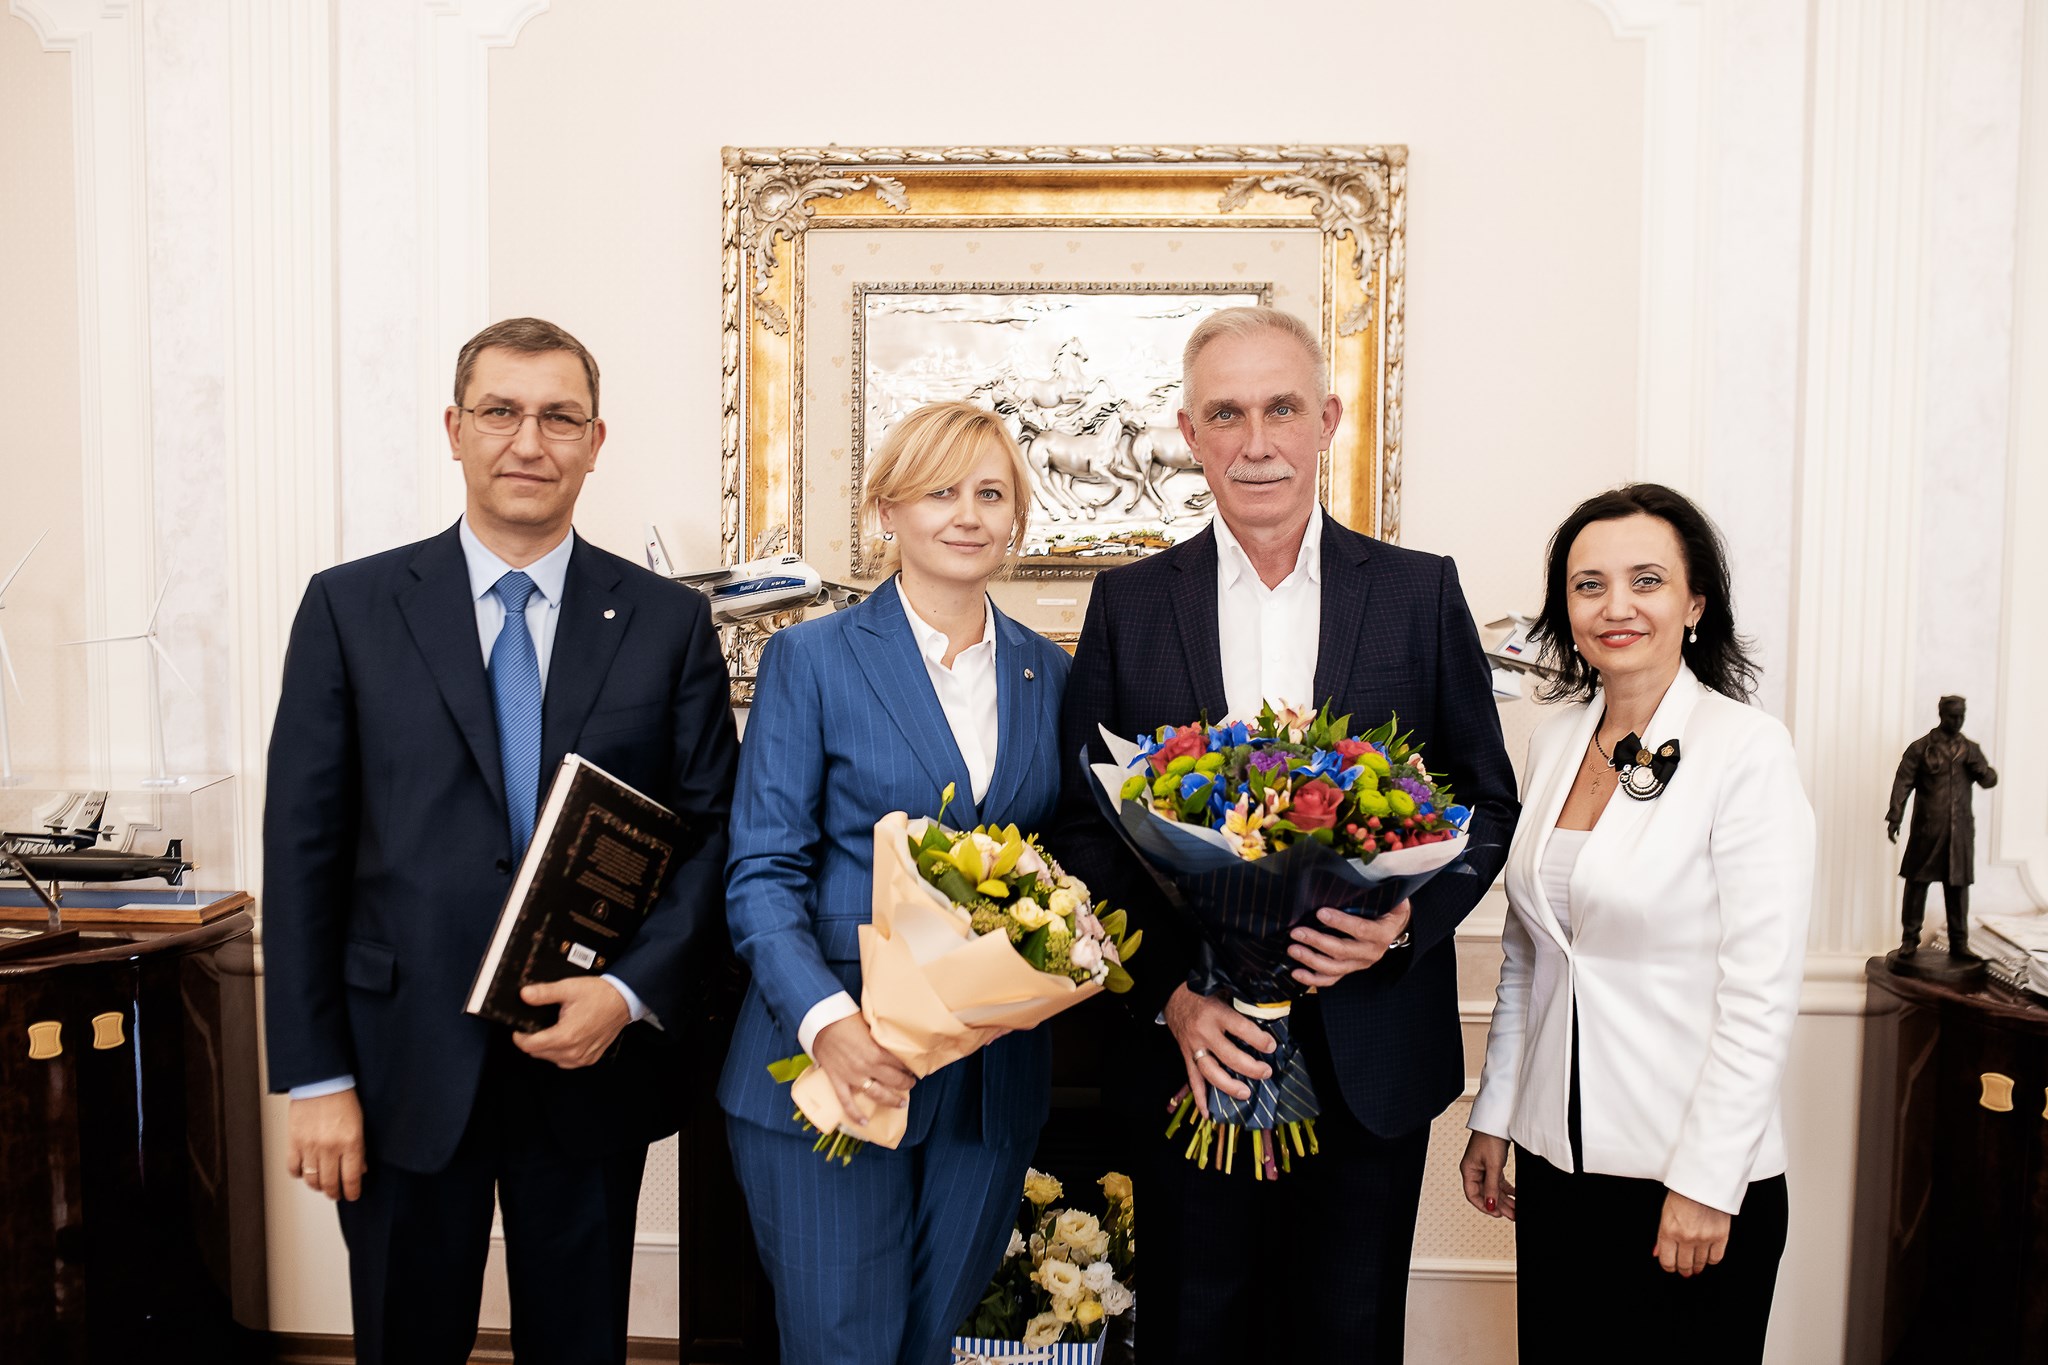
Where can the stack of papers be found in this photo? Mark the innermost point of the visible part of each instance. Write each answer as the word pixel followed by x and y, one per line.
pixel 2020 944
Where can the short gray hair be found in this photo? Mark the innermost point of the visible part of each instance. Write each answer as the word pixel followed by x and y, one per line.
pixel 1240 322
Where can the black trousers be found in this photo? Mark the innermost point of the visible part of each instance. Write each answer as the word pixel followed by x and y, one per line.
pixel 1588 1284
pixel 1311 1267
pixel 1587 1281
pixel 418 1242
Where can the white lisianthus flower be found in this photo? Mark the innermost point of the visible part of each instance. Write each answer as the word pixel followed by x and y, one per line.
pixel 1098 1275
pixel 1063 903
pixel 1042 1330
pixel 1029 864
pixel 1098 1246
pixel 1117 1299
pixel 1018 1246
pixel 1060 1279
pixel 1085 954
pixel 1076 1228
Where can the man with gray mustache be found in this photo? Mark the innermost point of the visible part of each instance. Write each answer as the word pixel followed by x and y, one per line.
pixel 1279 602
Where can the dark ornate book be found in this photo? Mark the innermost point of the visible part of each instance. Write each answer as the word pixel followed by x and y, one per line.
pixel 601 853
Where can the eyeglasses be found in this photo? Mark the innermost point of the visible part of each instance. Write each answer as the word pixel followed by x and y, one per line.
pixel 498 420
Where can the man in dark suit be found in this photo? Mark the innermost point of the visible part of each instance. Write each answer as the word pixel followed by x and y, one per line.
pixel 1278 602
pixel 429 693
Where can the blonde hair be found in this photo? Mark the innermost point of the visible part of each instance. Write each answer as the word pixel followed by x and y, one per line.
pixel 935 447
pixel 1241 322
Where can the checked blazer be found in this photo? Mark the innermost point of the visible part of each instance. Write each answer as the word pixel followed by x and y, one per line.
pixel 1397 639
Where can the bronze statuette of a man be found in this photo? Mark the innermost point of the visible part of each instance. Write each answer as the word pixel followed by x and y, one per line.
pixel 1940 771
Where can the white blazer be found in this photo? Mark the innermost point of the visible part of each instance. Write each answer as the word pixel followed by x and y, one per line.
pixel 1689 914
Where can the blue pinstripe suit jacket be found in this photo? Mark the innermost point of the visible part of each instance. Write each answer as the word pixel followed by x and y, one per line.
pixel 846 728
pixel 1397 638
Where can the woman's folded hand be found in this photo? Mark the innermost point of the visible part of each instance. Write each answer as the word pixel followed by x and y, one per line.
pixel 862 1072
pixel 1690 1236
pixel 1485 1170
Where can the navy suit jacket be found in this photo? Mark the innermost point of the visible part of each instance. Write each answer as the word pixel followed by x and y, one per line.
pixel 1397 639
pixel 387 855
pixel 846 728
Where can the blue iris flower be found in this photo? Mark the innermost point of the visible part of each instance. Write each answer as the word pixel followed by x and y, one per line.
pixel 1345 778
pixel 1192 783
pixel 1458 815
pixel 1324 764
pixel 1228 736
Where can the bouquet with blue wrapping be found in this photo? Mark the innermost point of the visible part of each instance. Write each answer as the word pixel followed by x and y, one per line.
pixel 1256 825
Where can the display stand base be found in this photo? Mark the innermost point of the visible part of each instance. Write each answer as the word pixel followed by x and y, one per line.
pixel 1963 973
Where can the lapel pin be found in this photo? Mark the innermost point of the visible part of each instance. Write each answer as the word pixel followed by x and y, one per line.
pixel 1028 675
pixel 609 613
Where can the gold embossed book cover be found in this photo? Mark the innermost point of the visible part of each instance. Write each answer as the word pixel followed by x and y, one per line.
pixel 600 856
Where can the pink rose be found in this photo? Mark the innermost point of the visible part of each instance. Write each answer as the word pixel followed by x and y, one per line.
pixel 1315 805
pixel 1190 741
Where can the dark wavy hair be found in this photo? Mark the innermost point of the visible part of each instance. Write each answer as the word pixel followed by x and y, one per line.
pixel 1720 659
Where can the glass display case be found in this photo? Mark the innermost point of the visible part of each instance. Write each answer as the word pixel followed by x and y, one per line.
pixel 111 847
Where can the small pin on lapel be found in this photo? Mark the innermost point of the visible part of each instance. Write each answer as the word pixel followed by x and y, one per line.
pixel 609 613
pixel 1029 675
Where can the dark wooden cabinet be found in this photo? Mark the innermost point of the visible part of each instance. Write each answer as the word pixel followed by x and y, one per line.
pixel 131 1186
pixel 1950 1259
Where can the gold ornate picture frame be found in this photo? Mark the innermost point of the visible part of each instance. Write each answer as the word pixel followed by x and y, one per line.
pixel 1318 230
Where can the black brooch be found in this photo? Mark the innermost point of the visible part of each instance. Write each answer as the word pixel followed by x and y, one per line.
pixel 1644 774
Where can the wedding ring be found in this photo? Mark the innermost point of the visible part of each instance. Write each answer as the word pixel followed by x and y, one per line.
pixel 1200 1053
pixel 867 1085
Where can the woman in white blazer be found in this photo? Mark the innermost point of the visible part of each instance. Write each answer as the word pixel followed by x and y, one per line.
pixel 1659 884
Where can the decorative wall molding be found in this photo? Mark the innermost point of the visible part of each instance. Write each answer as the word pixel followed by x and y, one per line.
pixel 1860 440
pixel 283 443
pixel 455 38
pixel 2019 832
pixel 1671 353
pixel 104 39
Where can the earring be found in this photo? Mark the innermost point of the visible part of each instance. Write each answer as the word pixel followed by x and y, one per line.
pixel 1692 636
pixel 888 535
pixel 1575 646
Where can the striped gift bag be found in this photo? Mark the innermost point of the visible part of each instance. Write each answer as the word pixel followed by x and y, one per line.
pixel 990 1351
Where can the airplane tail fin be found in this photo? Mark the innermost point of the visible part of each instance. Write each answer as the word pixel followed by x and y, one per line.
pixel 175 850
pixel 657 553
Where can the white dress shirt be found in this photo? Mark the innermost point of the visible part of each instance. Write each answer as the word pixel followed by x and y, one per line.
pixel 550 573
pixel 967 694
pixel 1271 636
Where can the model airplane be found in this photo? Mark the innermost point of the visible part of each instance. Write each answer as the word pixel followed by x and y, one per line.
pixel 66 849
pixel 759 587
pixel 1514 655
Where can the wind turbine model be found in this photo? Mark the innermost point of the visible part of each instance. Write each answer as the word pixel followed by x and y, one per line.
pixel 158 777
pixel 8 777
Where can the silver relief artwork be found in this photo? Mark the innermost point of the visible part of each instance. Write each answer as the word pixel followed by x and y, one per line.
pixel 1088 379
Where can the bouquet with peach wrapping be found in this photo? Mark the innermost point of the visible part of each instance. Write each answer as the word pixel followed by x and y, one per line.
pixel 973 934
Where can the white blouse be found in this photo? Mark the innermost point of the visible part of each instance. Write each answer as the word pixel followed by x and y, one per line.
pixel 1559 859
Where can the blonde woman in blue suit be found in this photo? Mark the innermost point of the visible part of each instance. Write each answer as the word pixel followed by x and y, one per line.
pixel 877 708
pixel 1659 884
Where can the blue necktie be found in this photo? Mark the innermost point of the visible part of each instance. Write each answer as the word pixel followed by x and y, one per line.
pixel 515 689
